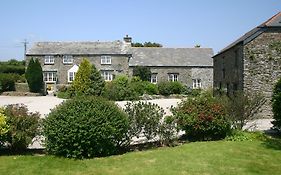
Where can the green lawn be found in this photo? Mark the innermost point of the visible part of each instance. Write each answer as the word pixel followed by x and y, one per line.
pixel 219 157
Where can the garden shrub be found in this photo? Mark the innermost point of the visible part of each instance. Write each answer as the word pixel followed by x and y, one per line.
pixel 242 107
pixel 17 69
pixel 202 118
pixel 170 87
pixel 150 88
pixel 167 130
pixel 4 127
pixel 137 86
pixel 8 82
pixel 239 135
pixel 23 126
pixel 276 105
pixel 85 127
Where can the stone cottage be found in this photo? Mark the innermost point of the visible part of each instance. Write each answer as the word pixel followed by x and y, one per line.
pixel 252 63
pixel 60 61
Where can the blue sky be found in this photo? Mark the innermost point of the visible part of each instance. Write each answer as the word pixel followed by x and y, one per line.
pixel 173 23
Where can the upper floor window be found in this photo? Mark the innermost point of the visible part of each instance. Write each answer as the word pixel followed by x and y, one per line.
pixel 105 59
pixel 67 59
pixel 50 77
pixel 49 59
pixel 196 84
pixel 173 77
pixel 153 78
pixel 107 75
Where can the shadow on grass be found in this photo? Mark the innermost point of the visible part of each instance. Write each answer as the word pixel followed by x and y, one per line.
pixel 9 152
pixel 273 141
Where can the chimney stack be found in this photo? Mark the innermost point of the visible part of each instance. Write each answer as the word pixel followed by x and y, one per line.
pixel 127 39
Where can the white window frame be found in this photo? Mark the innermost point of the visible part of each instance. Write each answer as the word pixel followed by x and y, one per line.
pixel 67 59
pixel 105 59
pixel 49 59
pixel 153 78
pixel 107 75
pixel 173 77
pixel 196 83
pixel 50 76
pixel 71 76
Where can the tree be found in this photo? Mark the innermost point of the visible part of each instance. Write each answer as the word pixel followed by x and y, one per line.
pixel 34 76
pixel 276 105
pixel 146 44
pixel 97 84
pixel 88 80
pixel 143 72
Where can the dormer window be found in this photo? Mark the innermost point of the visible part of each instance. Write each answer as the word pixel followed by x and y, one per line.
pixel 105 59
pixel 67 59
pixel 49 59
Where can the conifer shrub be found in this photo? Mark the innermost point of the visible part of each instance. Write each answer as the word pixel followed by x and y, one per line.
pixel 34 76
pixel 276 105
pixel 85 127
pixel 202 118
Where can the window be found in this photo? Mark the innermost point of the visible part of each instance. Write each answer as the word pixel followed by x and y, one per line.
pixel 105 59
pixel 173 77
pixel 196 84
pixel 71 73
pixel 49 59
pixel 50 77
pixel 67 59
pixel 107 75
pixel 71 76
pixel 153 78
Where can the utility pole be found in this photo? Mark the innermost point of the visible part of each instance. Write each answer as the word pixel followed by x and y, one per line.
pixel 25 47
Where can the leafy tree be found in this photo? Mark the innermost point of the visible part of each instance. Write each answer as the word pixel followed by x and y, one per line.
pixel 146 44
pixel 143 72
pixel 276 105
pixel 34 76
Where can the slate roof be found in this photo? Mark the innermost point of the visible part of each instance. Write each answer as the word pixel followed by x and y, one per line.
pixel 274 21
pixel 77 48
pixel 153 56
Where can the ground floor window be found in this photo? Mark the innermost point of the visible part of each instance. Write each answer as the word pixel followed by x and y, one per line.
pixel 173 77
pixel 107 75
pixel 71 76
pixel 153 78
pixel 50 76
pixel 196 84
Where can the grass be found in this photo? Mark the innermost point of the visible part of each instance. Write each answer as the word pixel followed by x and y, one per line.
pixel 220 157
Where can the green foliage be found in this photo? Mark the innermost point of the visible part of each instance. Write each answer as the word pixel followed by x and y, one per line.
pixel 120 89
pixel 4 127
pixel 150 88
pixel 239 135
pixel 23 126
pixel 8 82
pixel 85 127
pixel 276 105
pixel 146 44
pixel 143 72
pixel 34 76
pixel 88 80
pixel 169 87
pixel 12 66
pixel 202 118
pixel 242 107
pixel 144 118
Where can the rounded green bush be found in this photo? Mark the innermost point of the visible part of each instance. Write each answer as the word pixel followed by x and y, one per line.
pixel 85 127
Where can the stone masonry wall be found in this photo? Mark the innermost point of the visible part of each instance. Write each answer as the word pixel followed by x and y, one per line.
pixel 262 67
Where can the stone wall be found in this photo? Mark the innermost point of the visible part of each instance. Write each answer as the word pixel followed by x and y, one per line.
pixel 119 65
pixel 262 66
pixel 185 74
pixel 228 69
